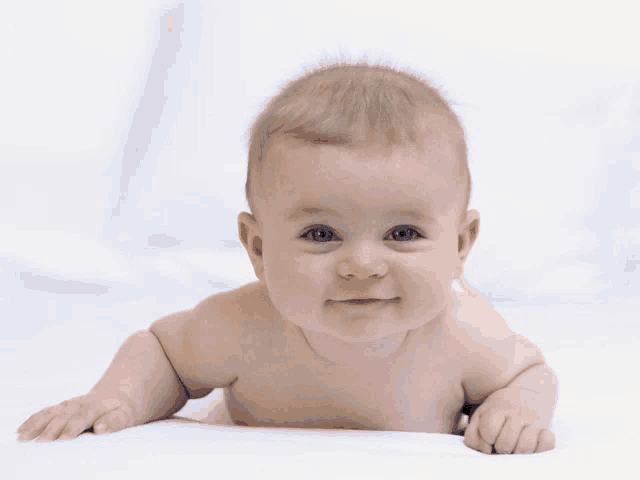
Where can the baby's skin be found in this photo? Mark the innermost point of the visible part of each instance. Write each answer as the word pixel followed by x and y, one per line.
pixel 352 323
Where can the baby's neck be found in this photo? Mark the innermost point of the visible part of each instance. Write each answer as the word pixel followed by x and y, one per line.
pixel 334 350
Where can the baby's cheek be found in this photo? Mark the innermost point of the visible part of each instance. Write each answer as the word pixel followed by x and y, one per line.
pixel 309 277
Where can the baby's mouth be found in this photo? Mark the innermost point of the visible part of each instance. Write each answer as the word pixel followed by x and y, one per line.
pixel 363 302
pixel 366 301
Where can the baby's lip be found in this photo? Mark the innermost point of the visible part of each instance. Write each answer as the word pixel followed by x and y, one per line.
pixel 356 299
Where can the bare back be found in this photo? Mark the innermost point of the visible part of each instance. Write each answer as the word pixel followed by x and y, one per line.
pixel 281 382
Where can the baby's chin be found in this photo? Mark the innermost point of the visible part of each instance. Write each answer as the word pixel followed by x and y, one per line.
pixel 361 329
pixel 362 339
pixel 362 334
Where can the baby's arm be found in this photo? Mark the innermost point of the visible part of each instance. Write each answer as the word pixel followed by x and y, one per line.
pixel 139 386
pixel 507 383
pixel 142 372
pixel 154 373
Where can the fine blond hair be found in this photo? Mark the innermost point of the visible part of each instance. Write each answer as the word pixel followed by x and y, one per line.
pixel 356 106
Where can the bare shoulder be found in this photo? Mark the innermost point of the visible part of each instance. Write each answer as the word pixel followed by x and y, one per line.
pixel 249 308
pixel 492 353
pixel 205 344
pixel 475 320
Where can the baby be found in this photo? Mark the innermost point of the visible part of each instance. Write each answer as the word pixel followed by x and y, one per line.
pixel 359 186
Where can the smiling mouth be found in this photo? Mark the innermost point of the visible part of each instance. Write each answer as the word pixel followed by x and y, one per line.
pixel 363 302
pixel 368 301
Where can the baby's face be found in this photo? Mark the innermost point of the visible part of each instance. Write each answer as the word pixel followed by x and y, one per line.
pixel 338 224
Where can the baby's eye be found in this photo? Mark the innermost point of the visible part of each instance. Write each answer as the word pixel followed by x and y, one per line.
pixel 404 233
pixel 324 234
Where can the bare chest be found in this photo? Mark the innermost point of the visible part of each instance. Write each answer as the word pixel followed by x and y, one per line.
pixel 286 385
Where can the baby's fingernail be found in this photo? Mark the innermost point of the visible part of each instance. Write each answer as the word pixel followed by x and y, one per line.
pixel 100 428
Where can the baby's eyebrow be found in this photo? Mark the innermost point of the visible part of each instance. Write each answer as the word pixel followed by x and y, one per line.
pixel 304 211
pixel 307 210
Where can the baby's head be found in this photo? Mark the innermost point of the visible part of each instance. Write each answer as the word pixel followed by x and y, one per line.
pixel 358 186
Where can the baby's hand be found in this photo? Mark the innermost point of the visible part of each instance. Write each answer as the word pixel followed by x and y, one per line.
pixel 505 423
pixel 72 417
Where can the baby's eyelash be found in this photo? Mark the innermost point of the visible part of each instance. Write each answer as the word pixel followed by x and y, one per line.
pixel 407 227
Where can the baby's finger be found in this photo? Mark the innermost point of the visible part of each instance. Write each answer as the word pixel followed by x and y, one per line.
pixel 53 429
pixel 508 437
pixel 528 440
pixel 113 421
pixel 546 441
pixel 83 419
pixel 490 425
pixel 35 424
pixel 472 439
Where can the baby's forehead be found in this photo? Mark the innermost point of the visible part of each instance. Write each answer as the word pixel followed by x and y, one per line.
pixel 333 163
pixel 430 174
pixel 294 204
pixel 408 174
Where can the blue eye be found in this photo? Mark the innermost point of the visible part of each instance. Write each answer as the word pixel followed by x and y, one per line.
pixel 404 234
pixel 323 234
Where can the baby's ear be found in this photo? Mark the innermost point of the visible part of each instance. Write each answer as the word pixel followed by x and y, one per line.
pixel 247 224
pixel 251 238
pixel 468 234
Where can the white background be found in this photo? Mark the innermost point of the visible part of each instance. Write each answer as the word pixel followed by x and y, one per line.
pixel 123 160
pixel 123 145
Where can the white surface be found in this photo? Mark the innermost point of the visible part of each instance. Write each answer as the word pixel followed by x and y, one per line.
pixel 98 240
